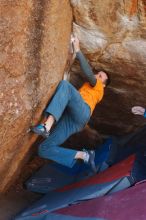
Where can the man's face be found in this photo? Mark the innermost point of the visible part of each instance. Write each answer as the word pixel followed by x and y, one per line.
pixel 101 76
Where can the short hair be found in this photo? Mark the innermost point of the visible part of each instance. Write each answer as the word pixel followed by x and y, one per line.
pixel 108 80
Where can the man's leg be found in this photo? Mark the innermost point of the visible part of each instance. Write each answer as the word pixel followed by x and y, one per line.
pixel 50 148
pixel 66 95
pixel 49 122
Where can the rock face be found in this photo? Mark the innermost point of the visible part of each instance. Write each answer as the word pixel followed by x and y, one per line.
pixel 35 36
pixel 113 37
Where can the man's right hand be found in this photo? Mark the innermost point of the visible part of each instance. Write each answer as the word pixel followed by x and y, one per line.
pixel 138 110
pixel 75 42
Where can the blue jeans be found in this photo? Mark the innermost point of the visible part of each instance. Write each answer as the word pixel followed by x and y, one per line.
pixel 71 114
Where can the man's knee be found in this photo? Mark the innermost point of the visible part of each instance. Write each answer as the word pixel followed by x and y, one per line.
pixel 64 83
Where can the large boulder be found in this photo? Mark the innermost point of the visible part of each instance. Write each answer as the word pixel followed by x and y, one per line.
pixel 35 36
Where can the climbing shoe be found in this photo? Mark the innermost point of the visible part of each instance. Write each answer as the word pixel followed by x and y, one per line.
pixel 40 130
pixel 90 159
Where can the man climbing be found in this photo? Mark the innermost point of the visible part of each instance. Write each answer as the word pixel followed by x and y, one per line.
pixel 138 110
pixel 68 112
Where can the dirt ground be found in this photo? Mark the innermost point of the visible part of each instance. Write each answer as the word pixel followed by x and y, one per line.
pixel 17 197
pixel 13 202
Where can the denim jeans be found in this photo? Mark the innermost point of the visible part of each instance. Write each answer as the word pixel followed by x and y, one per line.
pixel 71 114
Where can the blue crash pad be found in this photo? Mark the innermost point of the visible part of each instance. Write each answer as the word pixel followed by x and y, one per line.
pixel 53 175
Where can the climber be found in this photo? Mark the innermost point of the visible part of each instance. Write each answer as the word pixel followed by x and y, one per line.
pixel 68 112
pixel 138 110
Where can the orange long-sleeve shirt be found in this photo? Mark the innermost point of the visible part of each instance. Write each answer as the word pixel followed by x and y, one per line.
pixel 92 95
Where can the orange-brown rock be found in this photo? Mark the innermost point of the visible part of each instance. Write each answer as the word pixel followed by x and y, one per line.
pixel 35 36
